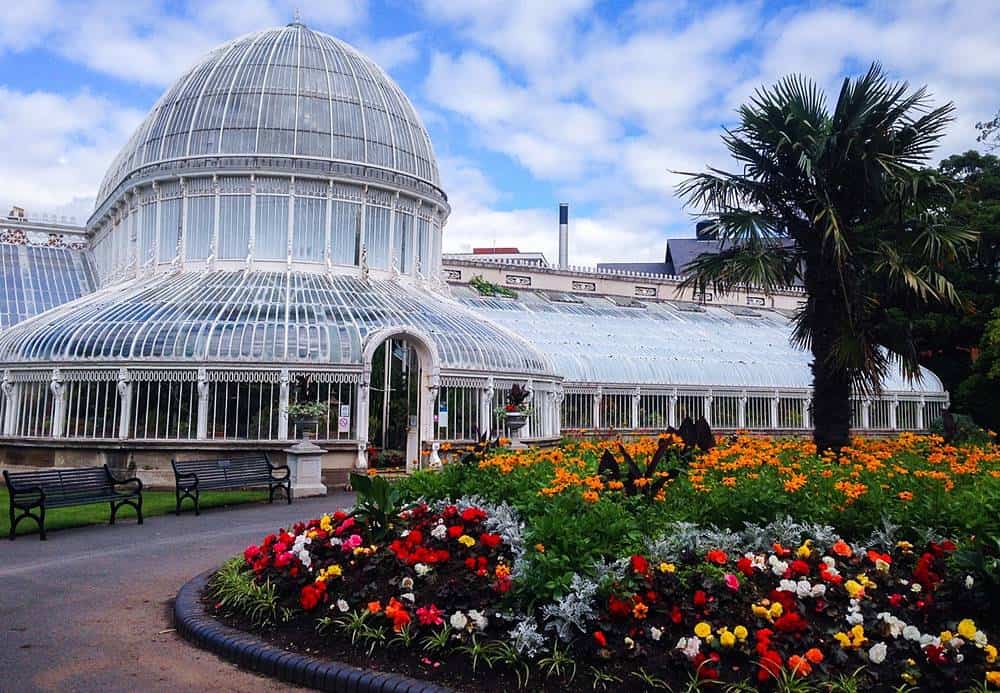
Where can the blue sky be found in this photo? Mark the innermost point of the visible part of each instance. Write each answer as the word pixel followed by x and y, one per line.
pixel 528 102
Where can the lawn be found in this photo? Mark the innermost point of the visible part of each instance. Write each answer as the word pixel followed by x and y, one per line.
pixel 153 503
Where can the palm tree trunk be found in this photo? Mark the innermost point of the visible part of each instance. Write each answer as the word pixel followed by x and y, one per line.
pixel 831 404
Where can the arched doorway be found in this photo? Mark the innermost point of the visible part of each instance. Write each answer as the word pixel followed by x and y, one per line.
pixel 395 410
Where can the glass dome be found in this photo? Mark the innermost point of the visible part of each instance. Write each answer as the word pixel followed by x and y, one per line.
pixel 284 92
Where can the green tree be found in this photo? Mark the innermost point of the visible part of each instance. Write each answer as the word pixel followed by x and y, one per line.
pixel 949 340
pixel 848 190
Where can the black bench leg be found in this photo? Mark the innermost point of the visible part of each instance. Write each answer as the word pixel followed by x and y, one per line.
pixel 41 523
pixel 177 497
pixel 288 493
pixel 138 509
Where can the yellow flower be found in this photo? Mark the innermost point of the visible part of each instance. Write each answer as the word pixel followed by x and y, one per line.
pixel 759 611
pixel 703 630
pixel 540 548
pixel 993 678
pixel 326 524
pixel 967 628
pixel 740 632
pixel 804 551
pixel 776 610
pixel 843 638
pixel 727 639
pixel 945 636
pixel 667 567
pixel 467 541
pixel 854 589
pixel 991 654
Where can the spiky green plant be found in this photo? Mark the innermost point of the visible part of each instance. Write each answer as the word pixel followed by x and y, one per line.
pixel 234 587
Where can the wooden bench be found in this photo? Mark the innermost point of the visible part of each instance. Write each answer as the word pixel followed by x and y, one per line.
pixel 194 476
pixel 59 488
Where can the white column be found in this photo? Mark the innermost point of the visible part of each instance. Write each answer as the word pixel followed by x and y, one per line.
pixel 866 419
pixel 252 244
pixel 393 260
pixel 328 226
pixel 596 411
pixel 893 406
pixel 12 394
pixel 741 415
pixel 213 246
pixel 156 232
pixel 805 414
pixel 182 236
pixel 636 396
pixel 202 404
pixel 560 395
pixel 672 409
pixel 707 410
pixel 775 399
pixel 124 402
pixel 361 417
pixel 486 409
pixel 290 235
pixel 59 403
pixel 920 413
pixel 283 405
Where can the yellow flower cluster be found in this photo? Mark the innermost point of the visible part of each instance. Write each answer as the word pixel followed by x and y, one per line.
pixel 853 639
pixel 331 571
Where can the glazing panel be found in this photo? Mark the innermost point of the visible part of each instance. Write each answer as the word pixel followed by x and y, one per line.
pixel 200 223
pixel 234 227
pixel 377 236
pixel 310 228
pixel 271 233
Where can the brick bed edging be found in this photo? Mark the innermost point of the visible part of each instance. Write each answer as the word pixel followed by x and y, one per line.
pixel 251 652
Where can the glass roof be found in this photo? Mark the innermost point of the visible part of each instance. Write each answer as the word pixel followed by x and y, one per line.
pixel 266 317
pixel 287 91
pixel 35 278
pixel 595 341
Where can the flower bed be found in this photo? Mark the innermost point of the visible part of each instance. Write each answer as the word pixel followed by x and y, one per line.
pixel 489 595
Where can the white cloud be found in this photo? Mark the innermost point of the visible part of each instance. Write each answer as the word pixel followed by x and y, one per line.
pixel 395 51
pixel 55 148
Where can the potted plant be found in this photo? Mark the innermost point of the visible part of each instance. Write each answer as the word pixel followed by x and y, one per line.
pixel 515 412
pixel 307 415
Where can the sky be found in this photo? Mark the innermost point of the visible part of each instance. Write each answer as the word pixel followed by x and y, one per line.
pixel 528 102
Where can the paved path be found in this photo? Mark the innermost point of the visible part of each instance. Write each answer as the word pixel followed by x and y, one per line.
pixel 89 609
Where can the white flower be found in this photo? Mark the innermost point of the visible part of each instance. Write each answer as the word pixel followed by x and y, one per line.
pixel 969 582
pixel 439 532
pixel 406 583
pixel 629 643
pixel 959 658
pixel 408 596
pixel 689 646
pixel 787 586
pixel 818 591
pixel 478 619
pixel 980 639
pixel 911 633
pixel 343 605
pixel 855 618
pixel 655 633
pixel 830 561
pixel 955 643
pixel 876 655
pixel 915 587
pixel 422 569
pixel 928 639
pixel 405 533
pixel 458 621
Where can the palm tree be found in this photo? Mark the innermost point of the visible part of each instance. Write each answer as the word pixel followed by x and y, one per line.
pixel 840 202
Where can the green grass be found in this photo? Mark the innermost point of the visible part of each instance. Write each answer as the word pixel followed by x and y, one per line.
pixel 153 503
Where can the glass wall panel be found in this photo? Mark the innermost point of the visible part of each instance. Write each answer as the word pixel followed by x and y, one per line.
pixel 271 232
pixel 234 227
pixel 35 416
pixel 164 410
pixel 463 413
pixel 170 228
pixel 616 411
pixel 790 413
pixel 345 234
pixel 578 410
pixel 403 242
pixel 247 411
pixel 725 411
pixel 200 220
pixel 377 236
pixel 147 233
pixel 423 249
pixel 92 409
pixel 310 228
pixel 654 411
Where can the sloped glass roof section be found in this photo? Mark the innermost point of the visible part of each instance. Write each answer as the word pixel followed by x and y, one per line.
pixel 272 317
pixel 598 342
pixel 34 278
pixel 282 92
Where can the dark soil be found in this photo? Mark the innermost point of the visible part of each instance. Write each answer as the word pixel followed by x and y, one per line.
pixel 453 670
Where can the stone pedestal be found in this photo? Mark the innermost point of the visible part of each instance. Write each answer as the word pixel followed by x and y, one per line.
pixel 305 460
pixel 515 422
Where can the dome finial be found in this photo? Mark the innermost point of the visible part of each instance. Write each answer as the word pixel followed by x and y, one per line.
pixel 296 18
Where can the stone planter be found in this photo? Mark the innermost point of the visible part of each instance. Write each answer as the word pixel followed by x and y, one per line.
pixel 516 420
pixel 307 426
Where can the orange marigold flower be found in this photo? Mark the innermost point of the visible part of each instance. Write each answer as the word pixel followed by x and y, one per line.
pixel 591 496
pixel 905 495
pixel 729 481
pixel 640 610
pixel 374 607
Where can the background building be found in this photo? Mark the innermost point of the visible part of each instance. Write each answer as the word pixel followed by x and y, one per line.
pixel 278 216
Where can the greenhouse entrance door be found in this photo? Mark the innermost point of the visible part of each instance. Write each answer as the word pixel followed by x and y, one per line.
pixel 394 405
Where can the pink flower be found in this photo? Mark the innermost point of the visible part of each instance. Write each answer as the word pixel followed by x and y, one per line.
pixel 352 542
pixel 429 615
pixel 732 582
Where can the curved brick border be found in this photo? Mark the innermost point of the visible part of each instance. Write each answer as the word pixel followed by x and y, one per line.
pixel 255 654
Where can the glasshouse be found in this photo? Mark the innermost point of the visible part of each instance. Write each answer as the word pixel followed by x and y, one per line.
pixel 271 236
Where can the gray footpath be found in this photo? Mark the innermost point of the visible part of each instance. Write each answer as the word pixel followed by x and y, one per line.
pixel 89 609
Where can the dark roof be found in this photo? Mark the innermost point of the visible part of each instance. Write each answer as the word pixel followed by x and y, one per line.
pixel 681 251
pixel 644 267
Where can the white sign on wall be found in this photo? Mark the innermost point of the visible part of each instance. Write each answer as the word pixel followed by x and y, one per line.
pixel 344 420
pixel 443 415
